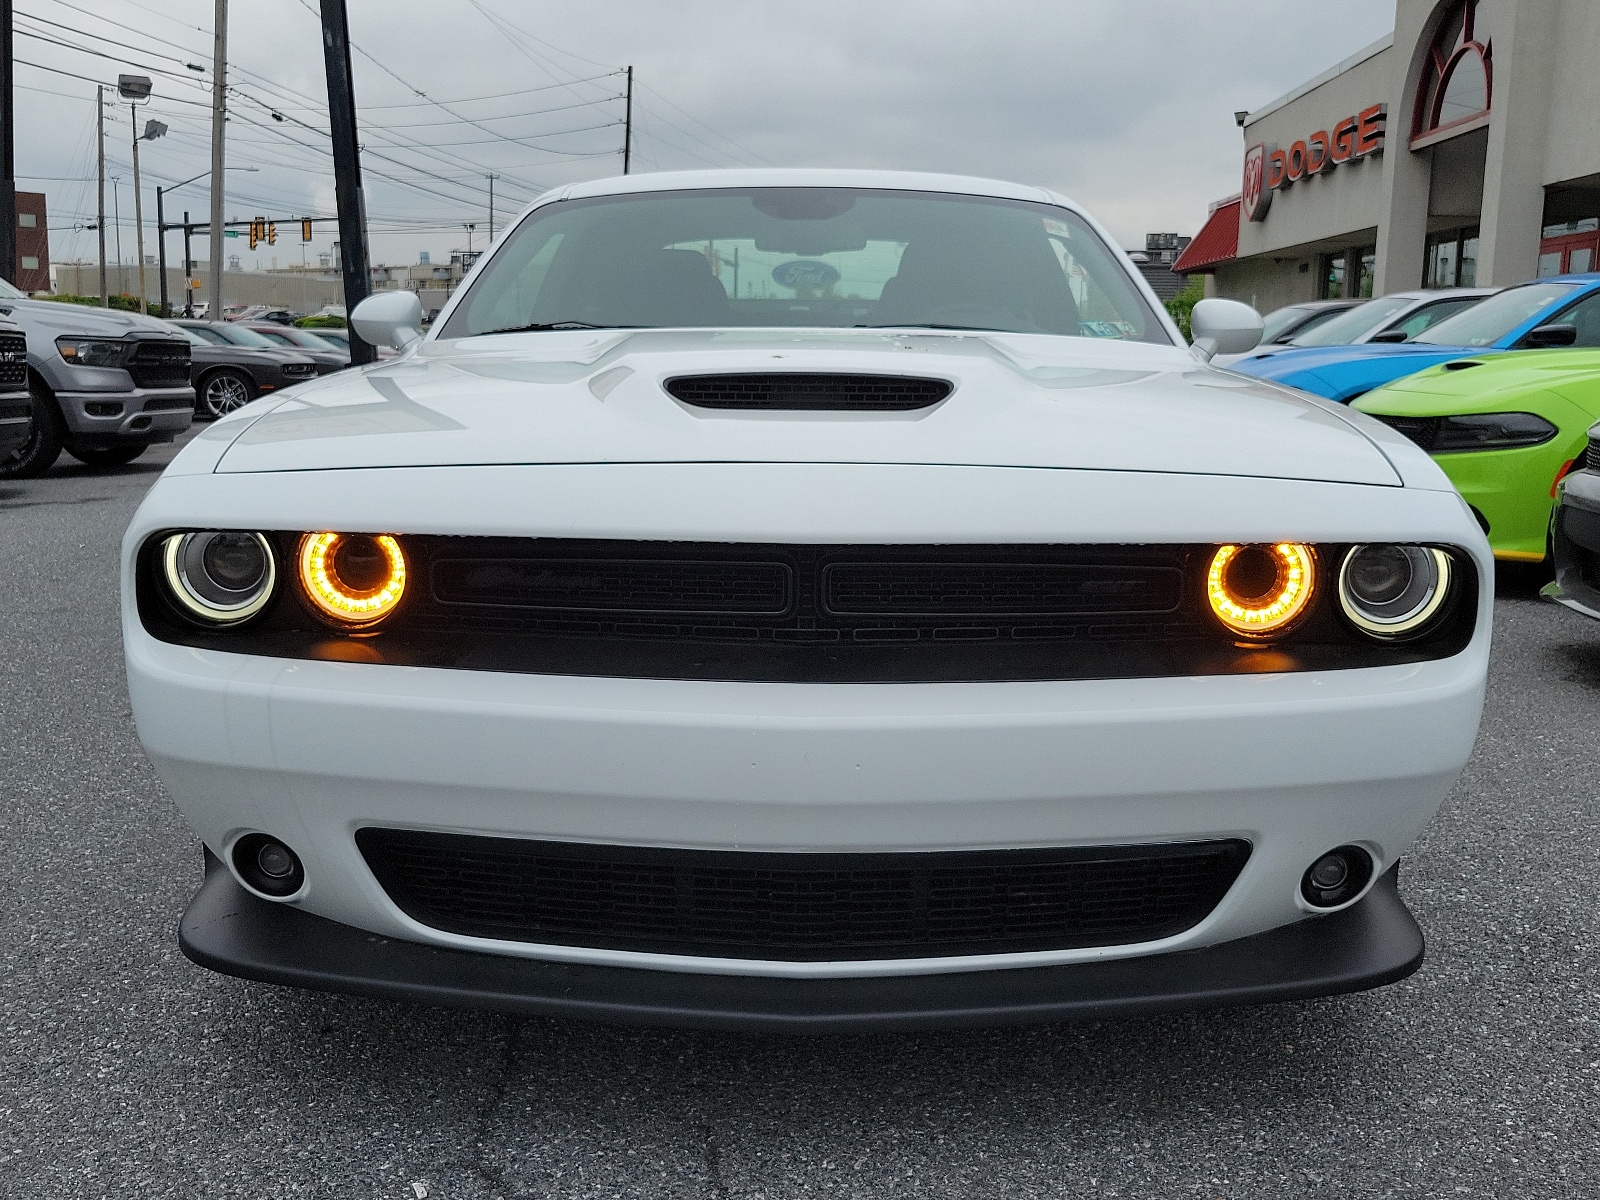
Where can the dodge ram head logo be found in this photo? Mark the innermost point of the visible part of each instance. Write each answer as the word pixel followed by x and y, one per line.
pixel 1256 196
pixel 12 356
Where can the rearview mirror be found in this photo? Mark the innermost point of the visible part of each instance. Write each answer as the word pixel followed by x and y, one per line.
pixel 389 319
pixel 1224 327
pixel 1549 336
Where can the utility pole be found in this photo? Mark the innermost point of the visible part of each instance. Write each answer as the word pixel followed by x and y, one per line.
pixel 8 152
pixel 100 226
pixel 219 144
pixel 627 127
pixel 138 210
pixel 346 168
pixel 161 252
pixel 188 267
pixel 491 177
pixel 116 219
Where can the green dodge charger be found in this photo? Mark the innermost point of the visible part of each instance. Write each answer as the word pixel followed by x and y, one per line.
pixel 1505 428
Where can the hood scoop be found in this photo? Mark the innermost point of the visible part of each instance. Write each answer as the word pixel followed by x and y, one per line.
pixel 777 391
pixel 1462 364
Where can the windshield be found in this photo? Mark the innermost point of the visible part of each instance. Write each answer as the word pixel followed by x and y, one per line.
pixel 7 292
pixel 241 337
pixel 194 337
pixel 806 257
pixel 309 341
pixel 1491 319
pixel 1280 320
pixel 1352 323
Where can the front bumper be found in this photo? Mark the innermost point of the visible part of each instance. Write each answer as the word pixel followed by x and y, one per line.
pixel 1575 536
pixel 1372 943
pixel 102 419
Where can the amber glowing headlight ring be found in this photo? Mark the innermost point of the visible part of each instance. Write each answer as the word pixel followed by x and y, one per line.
pixel 209 601
pixel 1273 612
pixel 335 600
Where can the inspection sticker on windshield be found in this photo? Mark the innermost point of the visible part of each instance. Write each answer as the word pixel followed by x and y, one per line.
pixel 1057 228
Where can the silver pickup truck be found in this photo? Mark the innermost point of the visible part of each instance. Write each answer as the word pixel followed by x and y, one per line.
pixel 105 384
pixel 16 405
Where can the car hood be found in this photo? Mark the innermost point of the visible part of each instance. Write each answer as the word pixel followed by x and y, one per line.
pixel 49 315
pixel 1292 360
pixel 1487 384
pixel 597 397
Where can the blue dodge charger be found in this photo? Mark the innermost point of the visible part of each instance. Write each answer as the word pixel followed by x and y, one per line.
pixel 1560 311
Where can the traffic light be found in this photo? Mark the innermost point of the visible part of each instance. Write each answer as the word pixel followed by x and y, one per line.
pixel 272 233
pixel 305 229
pixel 255 233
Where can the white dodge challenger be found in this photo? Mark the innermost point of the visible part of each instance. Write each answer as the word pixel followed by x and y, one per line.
pixel 805 600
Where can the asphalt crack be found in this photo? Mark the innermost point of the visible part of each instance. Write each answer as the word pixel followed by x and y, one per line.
pixel 478 1162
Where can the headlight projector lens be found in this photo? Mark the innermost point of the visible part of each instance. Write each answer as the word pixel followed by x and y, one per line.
pixel 1258 591
pixel 219 578
pixel 1391 591
pixel 352 579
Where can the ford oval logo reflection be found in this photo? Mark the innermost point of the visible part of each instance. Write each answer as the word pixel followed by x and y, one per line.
pixel 805 275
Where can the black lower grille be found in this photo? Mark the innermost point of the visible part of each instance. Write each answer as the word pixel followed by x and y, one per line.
pixel 167 403
pixel 13 360
pixel 815 393
pixel 160 364
pixel 802 907
pixel 15 409
pixel 1591 455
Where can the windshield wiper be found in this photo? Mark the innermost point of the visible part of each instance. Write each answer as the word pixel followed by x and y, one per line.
pixel 544 326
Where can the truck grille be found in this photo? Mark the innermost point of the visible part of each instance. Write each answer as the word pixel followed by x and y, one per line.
pixel 13 361
pixel 159 364
pixel 800 907
pixel 779 391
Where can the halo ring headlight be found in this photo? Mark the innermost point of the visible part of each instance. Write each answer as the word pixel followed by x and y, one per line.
pixel 1257 591
pixel 219 577
pixel 1389 591
pixel 353 580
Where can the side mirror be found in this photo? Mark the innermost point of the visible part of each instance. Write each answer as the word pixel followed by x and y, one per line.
pixel 389 319
pixel 1548 336
pixel 1390 337
pixel 1224 327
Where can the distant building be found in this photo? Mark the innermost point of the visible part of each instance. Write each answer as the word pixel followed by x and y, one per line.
pixel 33 243
pixel 1161 250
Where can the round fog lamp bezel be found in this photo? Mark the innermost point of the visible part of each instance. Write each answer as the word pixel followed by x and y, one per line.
pixel 336 603
pixel 194 604
pixel 1413 622
pixel 1262 622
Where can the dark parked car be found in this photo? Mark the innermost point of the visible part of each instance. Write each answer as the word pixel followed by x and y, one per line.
pixel 326 355
pixel 341 339
pixel 228 375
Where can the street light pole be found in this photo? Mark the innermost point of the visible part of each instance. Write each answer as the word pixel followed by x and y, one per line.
pixel 219 101
pixel 100 226
pixel 188 267
pixel 627 127
pixel 161 252
pixel 8 152
pixel 346 168
pixel 138 209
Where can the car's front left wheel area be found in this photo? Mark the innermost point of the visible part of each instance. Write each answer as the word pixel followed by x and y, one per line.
pixel 39 453
pixel 222 392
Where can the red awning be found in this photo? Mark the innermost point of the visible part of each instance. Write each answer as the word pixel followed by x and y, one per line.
pixel 1217 241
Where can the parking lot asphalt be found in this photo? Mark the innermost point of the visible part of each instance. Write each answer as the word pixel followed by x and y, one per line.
pixel 125 1071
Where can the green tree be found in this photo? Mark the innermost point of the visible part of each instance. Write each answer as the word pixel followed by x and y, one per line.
pixel 1181 305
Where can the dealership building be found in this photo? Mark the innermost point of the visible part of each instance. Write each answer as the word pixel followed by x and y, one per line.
pixel 1461 150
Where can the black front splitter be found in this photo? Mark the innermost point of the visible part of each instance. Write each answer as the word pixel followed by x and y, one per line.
pixel 227 929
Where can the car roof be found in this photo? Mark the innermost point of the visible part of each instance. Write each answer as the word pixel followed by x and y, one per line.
pixel 752 177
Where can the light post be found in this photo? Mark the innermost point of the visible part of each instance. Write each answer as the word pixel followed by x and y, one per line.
pixel 134 88
pixel 161 242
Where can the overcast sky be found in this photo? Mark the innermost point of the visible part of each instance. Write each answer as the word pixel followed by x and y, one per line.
pixel 1125 105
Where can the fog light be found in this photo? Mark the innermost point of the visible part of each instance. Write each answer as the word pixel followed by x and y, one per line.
pixel 267 865
pixel 1337 877
pixel 1258 591
pixel 353 580
pixel 219 578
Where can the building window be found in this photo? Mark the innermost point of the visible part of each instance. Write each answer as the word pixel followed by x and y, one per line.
pixel 1457 76
pixel 30 263
pixel 28 220
pixel 1452 259
pixel 1332 277
pixel 1348 274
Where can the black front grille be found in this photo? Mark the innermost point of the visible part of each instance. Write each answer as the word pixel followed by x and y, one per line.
pixel 992 589
pixel 1424 431
pixel 156 364
pixel 1591 455
pixel 801 907
pixel 809 393
pixel 13 360
pixel 606 585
